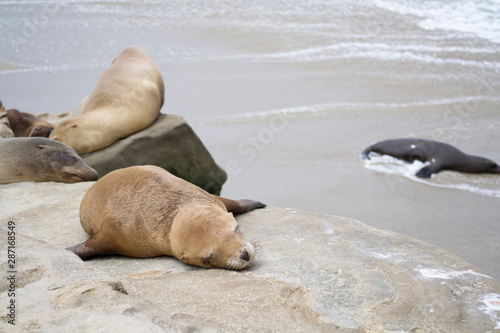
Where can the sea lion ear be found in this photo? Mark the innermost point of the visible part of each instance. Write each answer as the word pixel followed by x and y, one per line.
pixel 74 126
pixel 43 147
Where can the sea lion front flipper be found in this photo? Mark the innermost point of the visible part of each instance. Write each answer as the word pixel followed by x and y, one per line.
pixel 365 154
pixel 240 206
pixel 426 172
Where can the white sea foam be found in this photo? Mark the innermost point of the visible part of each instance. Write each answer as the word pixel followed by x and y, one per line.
pixel 318 109
pixel 492 308
pixel 443 274
pixel 377 51
pixel 471 183
pixel 479 17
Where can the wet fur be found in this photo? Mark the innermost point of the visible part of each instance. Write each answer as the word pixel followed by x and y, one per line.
pixel 441 156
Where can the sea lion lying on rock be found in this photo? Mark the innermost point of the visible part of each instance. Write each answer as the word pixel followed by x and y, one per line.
pixel 441 156
pixel 127 99
pixel 41 160
pixel 28 125
pixel 144 211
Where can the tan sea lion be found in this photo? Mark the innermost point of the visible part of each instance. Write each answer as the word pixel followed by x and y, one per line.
pixel 41 160
pixel 144 211
pixel 28 125
pixel 128 98
pixel 440 155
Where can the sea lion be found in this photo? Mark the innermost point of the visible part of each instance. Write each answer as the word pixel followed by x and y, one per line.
pixel 27 125
pixel 441 156
pixel 144 211
pixel 128 98
pixel 41 160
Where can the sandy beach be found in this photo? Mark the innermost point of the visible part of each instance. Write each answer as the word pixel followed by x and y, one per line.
pixel 285 100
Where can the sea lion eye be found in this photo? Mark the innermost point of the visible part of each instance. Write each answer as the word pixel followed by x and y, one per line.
pixel 67 158
pixel 74 126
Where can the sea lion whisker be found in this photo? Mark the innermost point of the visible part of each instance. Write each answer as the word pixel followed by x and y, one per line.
pixel 257 245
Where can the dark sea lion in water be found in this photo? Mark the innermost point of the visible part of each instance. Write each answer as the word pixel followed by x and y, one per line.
pixel 441 156
pixel 41 160
pixel 28 125
pixel 145 211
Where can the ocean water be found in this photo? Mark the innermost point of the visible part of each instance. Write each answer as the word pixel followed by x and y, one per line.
pixel 289 31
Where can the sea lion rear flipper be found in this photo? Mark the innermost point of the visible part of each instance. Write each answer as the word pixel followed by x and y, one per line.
pixel 90 248
pixel 240 206
pixel 80 250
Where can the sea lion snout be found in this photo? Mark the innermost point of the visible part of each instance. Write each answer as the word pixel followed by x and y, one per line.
pixel 245 259
pixel 496 168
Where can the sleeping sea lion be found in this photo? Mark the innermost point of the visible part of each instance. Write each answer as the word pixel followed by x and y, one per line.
pixel 127 99
pixel 41 160
pixel 144 211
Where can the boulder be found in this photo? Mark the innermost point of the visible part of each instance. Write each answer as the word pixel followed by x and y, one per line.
pixel 169 143
pixel 5 131
pixel 315 272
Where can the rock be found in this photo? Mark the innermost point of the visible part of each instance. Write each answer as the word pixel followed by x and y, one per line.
pixel 169 143
pixel 68 296
pixel 315 272
pixel 5 131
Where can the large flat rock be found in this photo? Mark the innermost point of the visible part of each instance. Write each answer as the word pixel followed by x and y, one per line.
pixel 315 272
